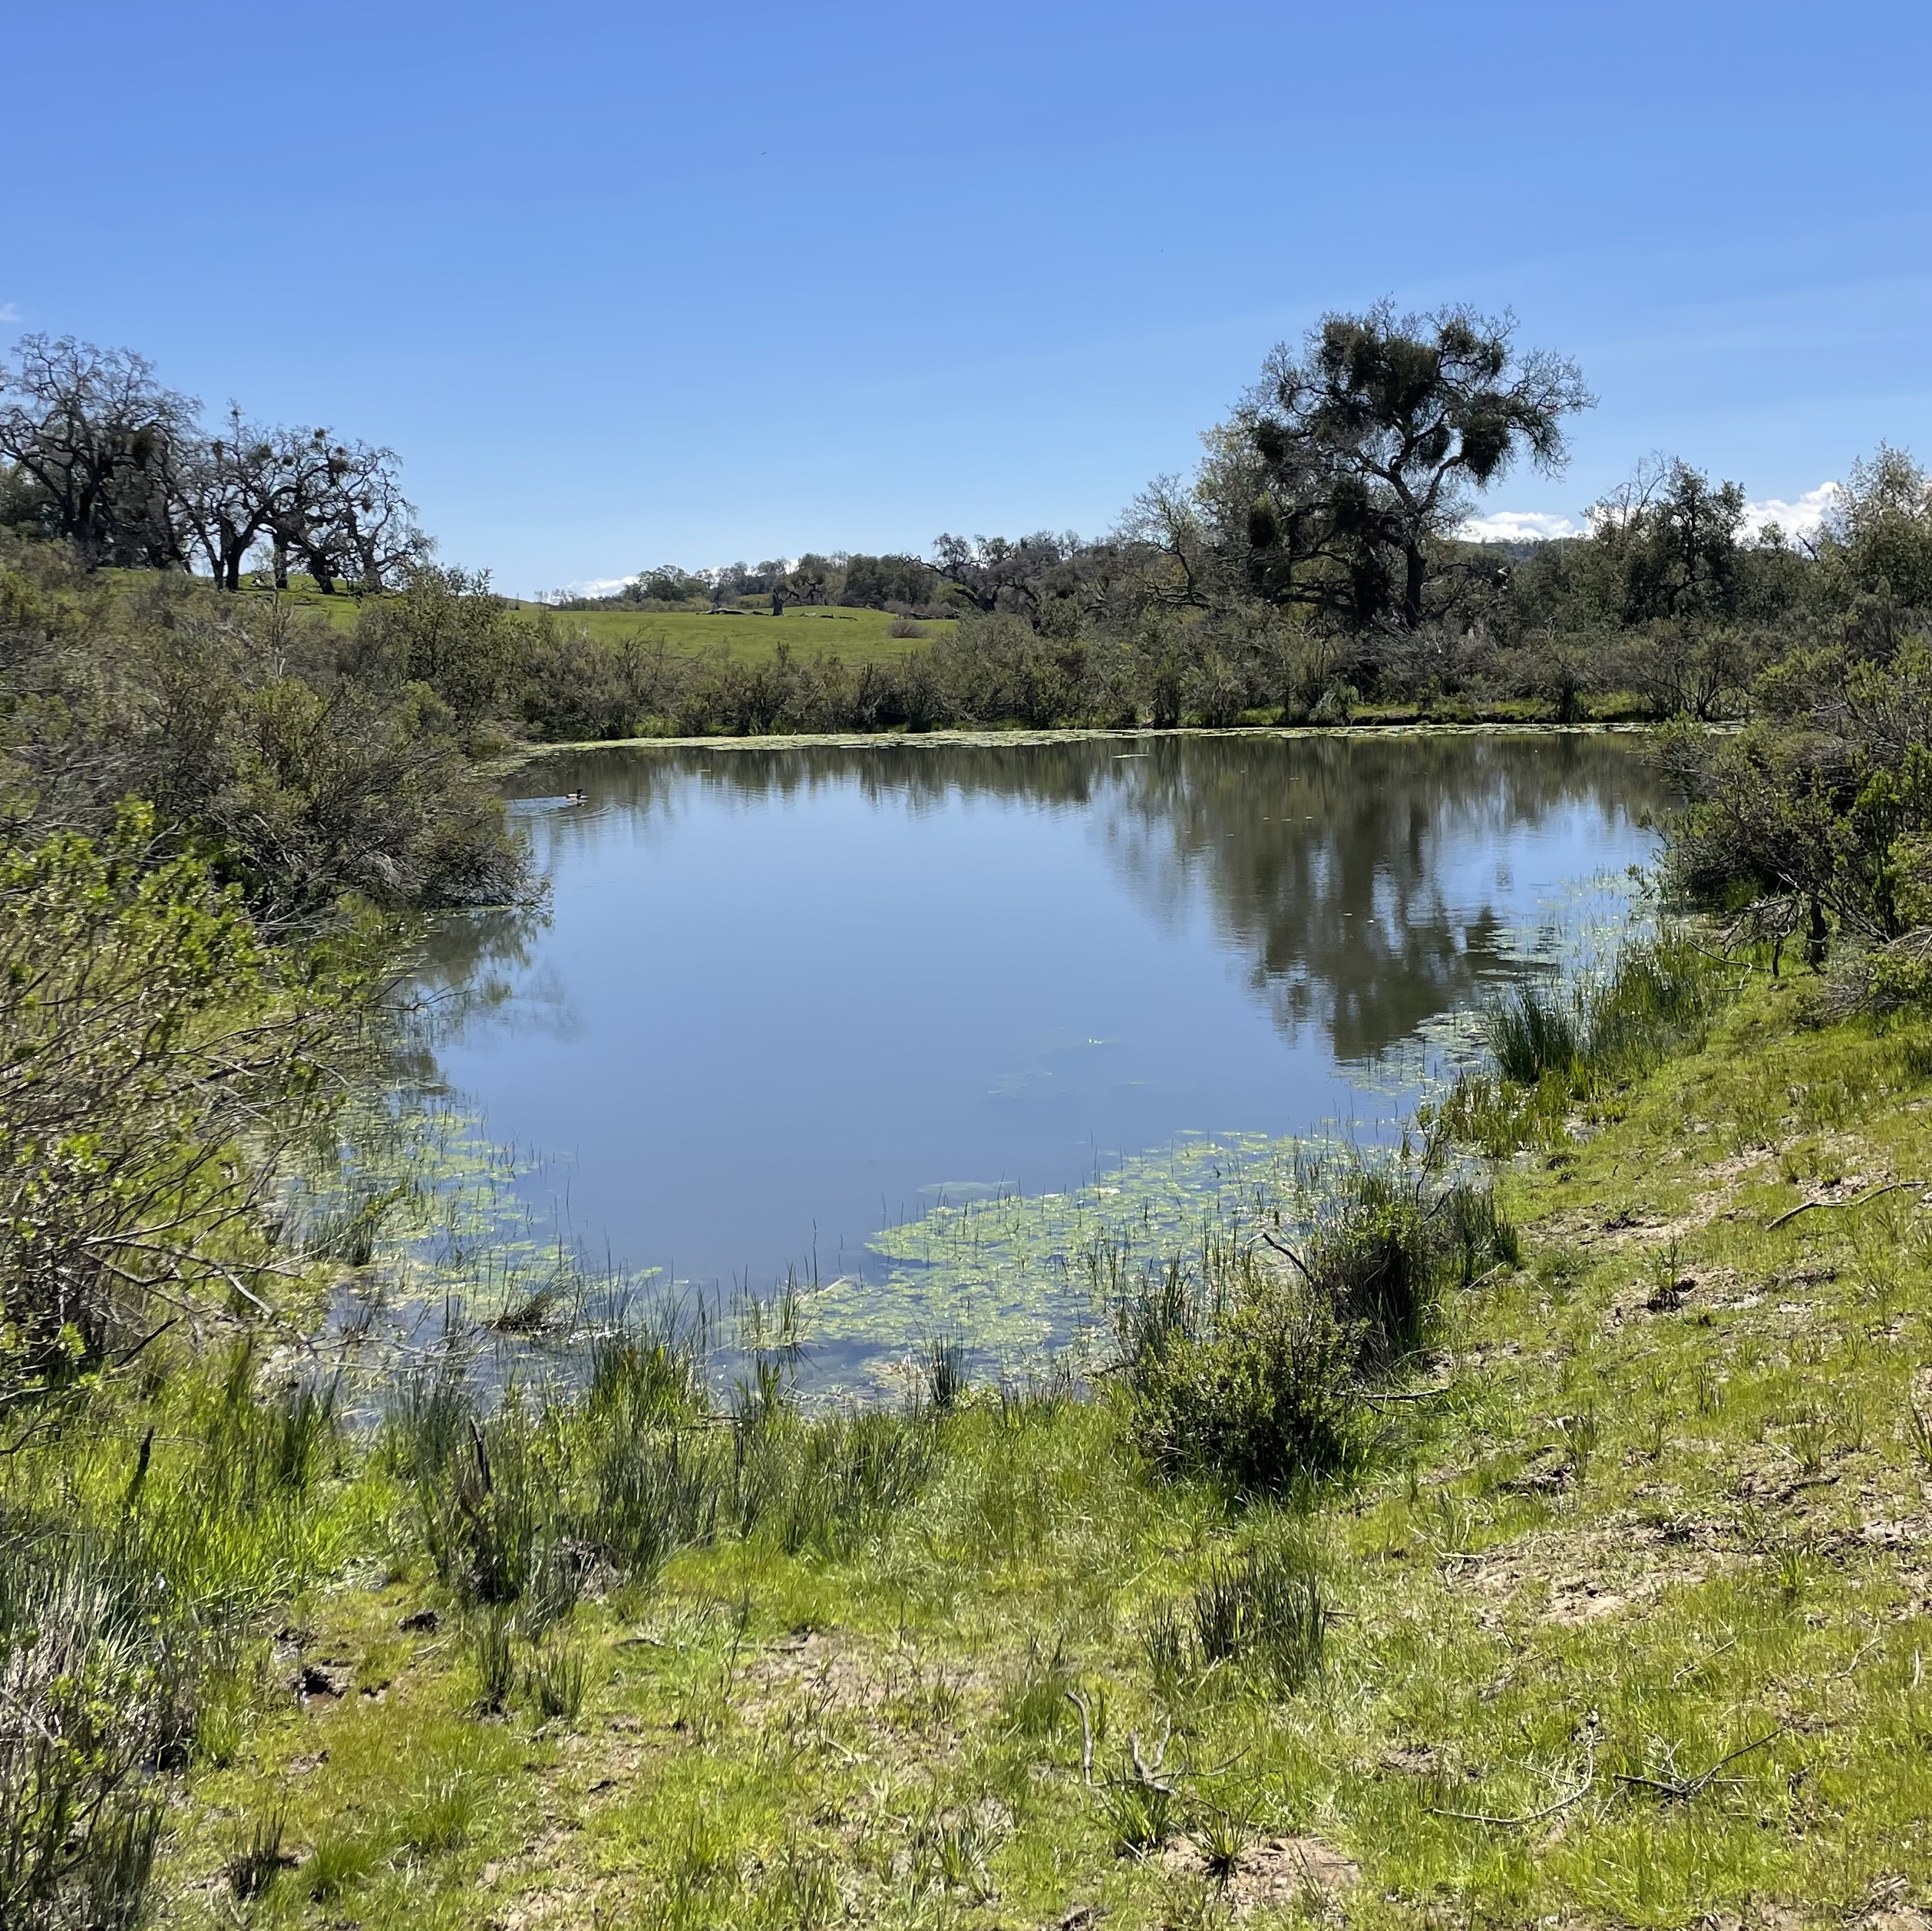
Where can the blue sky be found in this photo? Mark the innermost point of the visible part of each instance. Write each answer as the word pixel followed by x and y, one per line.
pixel 625 284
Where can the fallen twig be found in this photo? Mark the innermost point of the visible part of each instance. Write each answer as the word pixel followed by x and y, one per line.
pixel 1805 1206
pixel 1151 1778
pixel 1377 1400
pixel 1079 1702
pixel 1549 1810
pixel 1700 1662
pixel 1288 1253
pixel 1683 1791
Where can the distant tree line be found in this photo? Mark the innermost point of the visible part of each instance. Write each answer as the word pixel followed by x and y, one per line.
pixel 1313 569
pixel 94 452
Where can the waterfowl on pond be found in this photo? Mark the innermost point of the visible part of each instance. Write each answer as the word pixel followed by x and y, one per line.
pixel 573 798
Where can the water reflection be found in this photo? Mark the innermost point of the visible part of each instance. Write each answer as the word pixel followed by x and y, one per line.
pixel 783 987
pixel 1349 872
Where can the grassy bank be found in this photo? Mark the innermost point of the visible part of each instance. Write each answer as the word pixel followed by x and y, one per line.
pixel 1401 724
pixel 1618 1615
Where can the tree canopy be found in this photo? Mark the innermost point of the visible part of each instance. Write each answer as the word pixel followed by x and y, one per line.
pixel 100 455
pixel 1345 467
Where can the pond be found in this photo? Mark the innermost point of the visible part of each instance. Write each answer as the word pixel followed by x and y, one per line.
pixel 787 1001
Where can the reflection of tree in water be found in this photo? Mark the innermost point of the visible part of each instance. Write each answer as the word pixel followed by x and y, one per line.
pixel 1322 859
pixel 472 969
pixel 1325 863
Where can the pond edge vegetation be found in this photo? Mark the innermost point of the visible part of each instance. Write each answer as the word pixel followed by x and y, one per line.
pixel 1538 1531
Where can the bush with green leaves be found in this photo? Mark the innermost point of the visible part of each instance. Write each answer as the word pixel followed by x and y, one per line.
pixel 248 729
pixel 1817 820
pixel 1249 1370
pixel 156 1058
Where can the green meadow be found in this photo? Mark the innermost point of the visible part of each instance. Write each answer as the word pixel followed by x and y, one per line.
pixel 853 636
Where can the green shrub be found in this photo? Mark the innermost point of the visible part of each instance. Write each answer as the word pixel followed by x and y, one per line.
pixel 1250 1370
pixel 146 1034
pixel 101 1671
pixel 1258 1391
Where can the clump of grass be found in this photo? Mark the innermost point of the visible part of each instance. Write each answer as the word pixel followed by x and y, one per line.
pixel 1254 1383
pixel 1139 1815
pixel 1919 1430
pixel 490 1640
pixel 802 1892
pixel 655 1489
pixel 1251 1368
pixel 556 1682
pixel 1034 1703
pixel 441 1814
pixel 949 1852
pixel 339 1864
pixel 261 1861
pixel 1660 998
pixel 946 1374
pixel 486 1486
pixel 1534 1031
pixel 100 1677
pixel 1552 1045
pixel 702 1867
pixel 1266 1611
pixel 1223 1835
pixel 1164 1644
pixel 518 1504
pixel 1580 1434
pixel 825 1485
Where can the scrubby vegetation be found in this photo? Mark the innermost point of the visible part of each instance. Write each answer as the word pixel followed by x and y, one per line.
pixel 1317 568
pixel 1250 1369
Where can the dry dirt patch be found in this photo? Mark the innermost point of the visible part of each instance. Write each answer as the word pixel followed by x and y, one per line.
pixel 1273 1875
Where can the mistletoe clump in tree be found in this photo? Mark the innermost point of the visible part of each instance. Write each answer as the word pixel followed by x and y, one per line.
pixel 1339 481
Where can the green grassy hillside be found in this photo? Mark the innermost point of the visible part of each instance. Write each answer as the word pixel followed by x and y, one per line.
pixel 855 636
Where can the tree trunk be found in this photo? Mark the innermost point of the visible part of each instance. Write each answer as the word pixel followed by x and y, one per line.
pixel 1414 575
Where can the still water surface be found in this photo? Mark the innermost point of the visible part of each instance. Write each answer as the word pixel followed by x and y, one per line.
pixel 786 998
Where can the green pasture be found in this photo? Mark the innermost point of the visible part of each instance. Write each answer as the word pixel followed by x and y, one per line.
pixel 855 636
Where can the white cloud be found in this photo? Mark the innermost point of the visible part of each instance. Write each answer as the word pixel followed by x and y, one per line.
pixel 595 586
pixel 9 312
pixel 1803 518
pixel 1516 526
pixel 1800 517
